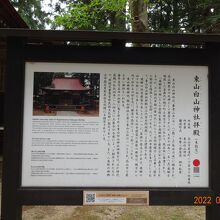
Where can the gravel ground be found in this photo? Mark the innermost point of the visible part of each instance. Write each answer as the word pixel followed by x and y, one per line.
pixel 113 213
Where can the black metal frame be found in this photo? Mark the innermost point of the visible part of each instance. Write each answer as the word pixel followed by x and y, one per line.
pixel 19 51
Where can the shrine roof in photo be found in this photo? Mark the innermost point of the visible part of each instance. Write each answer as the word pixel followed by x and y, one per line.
pixel 66 84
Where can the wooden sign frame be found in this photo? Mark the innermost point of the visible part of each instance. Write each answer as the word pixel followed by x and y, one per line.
pixel 19 51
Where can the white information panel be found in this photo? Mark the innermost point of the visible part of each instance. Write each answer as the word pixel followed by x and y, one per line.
pixel 115 125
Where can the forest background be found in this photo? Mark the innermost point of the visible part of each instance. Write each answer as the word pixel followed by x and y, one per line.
pixel 175 16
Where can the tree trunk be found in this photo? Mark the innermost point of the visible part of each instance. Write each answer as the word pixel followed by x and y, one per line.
pixel 139 18
pixel 175 17
pixel 139 15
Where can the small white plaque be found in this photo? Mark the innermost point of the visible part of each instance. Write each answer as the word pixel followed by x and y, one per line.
pixel 116 198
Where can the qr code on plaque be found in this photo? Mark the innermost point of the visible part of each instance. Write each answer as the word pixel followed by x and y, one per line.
pixel 90 197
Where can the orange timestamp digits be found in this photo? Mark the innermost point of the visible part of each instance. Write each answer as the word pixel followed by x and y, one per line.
pixel 206 200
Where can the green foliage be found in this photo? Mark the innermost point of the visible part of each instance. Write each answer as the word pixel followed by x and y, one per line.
pixel 115 15
pixel 163 15
pixel 184 15
pixel 93 15
pixel 32 13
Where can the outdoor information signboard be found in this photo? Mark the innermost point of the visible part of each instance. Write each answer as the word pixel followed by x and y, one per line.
pixel 140 126
pixel 110 125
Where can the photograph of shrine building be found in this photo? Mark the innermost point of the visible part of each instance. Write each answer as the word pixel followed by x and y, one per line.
pixel 66 94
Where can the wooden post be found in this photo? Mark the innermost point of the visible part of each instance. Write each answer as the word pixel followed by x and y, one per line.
pixel 11 207
pixel 213 212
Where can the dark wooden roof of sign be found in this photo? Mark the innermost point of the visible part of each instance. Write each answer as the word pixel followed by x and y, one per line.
pixel 9 17
pixel 115 37
pixel 66 84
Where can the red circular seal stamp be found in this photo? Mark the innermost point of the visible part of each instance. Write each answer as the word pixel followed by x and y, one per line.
pixel 196 162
